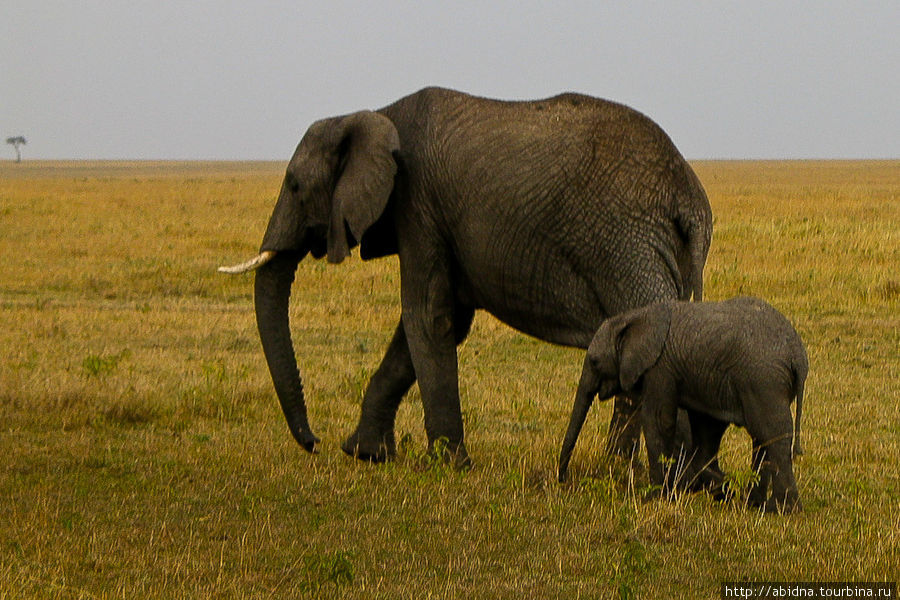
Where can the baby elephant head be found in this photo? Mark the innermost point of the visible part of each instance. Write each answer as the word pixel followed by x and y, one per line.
pixel 622 350
pixel 625 347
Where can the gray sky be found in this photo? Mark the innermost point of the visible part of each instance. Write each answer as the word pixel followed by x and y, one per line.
pixel 243 80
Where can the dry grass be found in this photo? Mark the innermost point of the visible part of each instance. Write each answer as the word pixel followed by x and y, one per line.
pixel 145 455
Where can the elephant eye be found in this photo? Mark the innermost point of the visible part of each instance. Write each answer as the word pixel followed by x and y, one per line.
pixel 294 186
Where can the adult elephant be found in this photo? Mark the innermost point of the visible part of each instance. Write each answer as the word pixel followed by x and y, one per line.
pixel 552 215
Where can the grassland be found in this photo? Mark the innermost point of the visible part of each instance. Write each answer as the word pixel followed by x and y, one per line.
pixel 144 454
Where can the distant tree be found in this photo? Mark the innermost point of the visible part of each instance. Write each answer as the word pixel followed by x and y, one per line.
pixel 16 142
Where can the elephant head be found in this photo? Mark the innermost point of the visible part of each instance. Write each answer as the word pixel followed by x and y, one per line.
pixel 622 350
pixel 626 346
pixel 336 187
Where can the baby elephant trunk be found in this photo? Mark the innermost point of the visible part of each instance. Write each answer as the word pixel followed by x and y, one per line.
pixel 584 397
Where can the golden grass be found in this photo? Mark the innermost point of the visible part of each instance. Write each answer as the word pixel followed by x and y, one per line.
pixel 144 454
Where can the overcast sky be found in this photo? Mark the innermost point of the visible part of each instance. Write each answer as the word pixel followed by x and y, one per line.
pixel 243 80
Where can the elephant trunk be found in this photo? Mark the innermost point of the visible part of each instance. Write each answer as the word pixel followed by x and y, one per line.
pixel 272 291
pixel 584 397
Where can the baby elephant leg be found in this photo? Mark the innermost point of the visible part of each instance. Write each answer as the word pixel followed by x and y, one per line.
pixel 785 497
pixel 772 435
pixel 760 490
pixel 658 420
pixel 703 471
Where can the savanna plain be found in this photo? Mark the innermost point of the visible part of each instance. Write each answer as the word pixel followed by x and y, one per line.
pixel 143 452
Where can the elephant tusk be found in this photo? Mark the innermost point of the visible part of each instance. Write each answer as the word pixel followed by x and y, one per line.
pixel 253 263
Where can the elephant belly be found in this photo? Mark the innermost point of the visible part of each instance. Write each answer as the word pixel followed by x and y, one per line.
pixel 550 303
pixel 556 272
pixel 548 327
pixel 714 410
pixel 711 392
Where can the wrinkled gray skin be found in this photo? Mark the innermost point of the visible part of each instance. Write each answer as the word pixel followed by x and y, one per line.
pixel 551 215
pixel 738 361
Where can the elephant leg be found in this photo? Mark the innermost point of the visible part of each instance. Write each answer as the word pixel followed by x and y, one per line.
pixel 433 320
pixel 785 497
pixel 772 432
pixel 658 414
pixel 373 440
pixel 624 429
pixel 776 435
pixel 434 357
pixel 684 444
pixel 776 468
pixel 704 471
pixel 760 490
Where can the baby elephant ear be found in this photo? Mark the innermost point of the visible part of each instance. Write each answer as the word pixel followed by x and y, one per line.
pixel 361 194
pixel 641 341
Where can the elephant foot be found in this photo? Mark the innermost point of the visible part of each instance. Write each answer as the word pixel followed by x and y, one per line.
pixel 756 498
pixel 370 448
pixel 791 504
pixel 719 491
pixel 711 481
pixel 654 493
pixel 625 448
pixel 787 504
pixel 453 454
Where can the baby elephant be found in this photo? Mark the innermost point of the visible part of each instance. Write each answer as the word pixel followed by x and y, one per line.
pixel 738 361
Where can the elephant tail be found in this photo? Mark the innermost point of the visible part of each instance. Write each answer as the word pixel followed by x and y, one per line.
pixel 698 246
pixel 798 450
pixel 800 368
pixel 694 220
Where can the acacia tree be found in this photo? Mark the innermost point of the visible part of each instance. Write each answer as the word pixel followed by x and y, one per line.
pixel 16 142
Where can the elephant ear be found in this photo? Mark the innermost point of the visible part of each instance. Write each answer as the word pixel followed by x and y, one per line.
pixel 368 141
pixel 640 342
